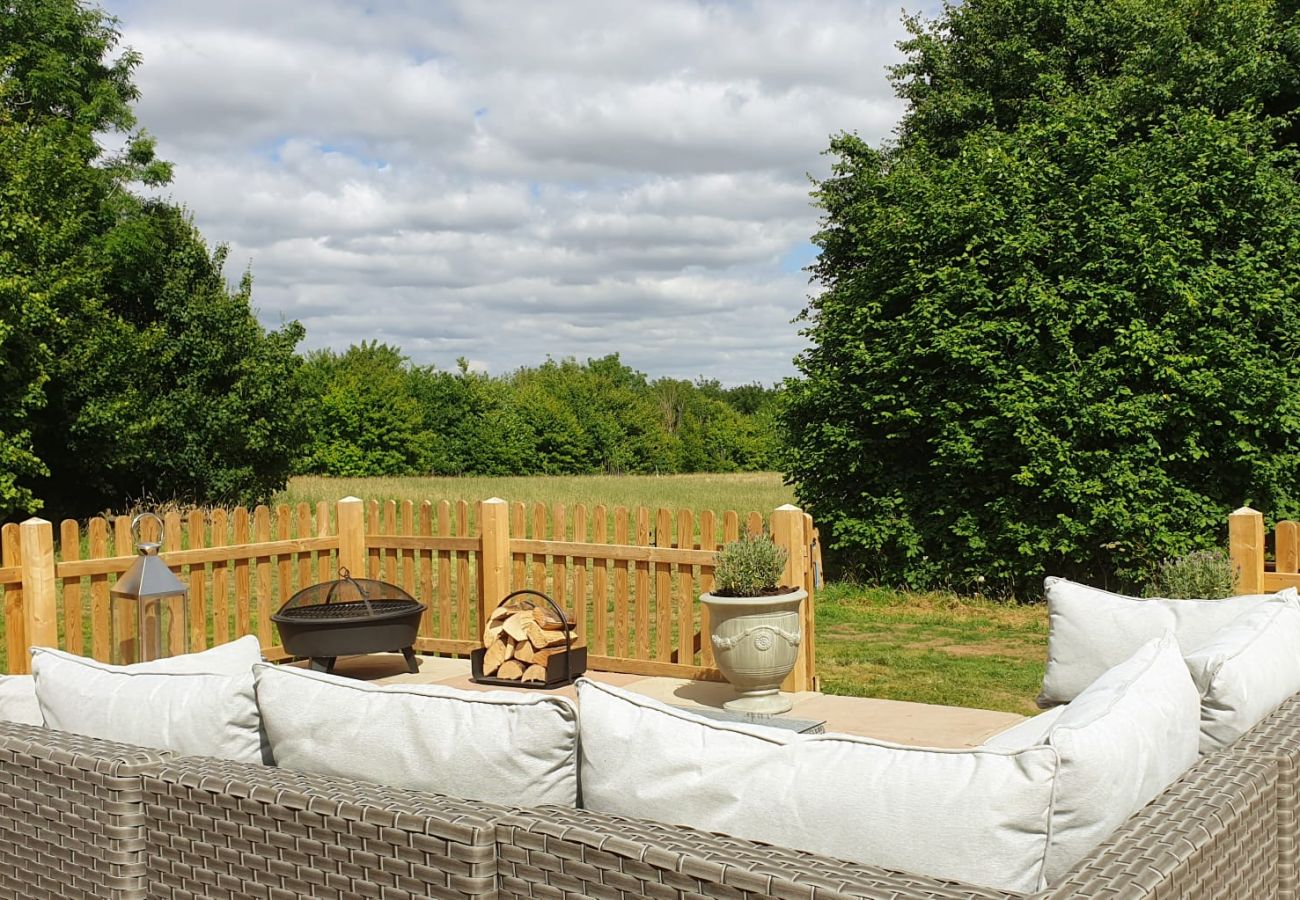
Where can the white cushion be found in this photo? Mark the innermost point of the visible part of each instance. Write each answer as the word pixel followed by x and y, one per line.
pixel 1030 733
pixel 191 713
pixel 1091 630
pixel 1124 739
pixel 18 700
pixel 1247 671
pixel 987 810
pixel 498 746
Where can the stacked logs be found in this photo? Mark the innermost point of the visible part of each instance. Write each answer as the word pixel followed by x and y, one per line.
pixel 520 641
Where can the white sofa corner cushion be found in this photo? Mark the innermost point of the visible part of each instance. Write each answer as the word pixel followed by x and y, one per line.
pixel 495 746
pixel 1091 631
pixel 1247 671
pixel 1030 733
pixel 190 713
pixel 1128 736
pixel 842 796
pixel 18 700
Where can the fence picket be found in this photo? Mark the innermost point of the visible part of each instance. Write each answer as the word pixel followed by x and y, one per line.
pixel 220 580
pixel 70 548
pixel 305 558
pixel 265 569
pixel 580 606
pixel 243 580
pixel 463 585
pixel 708 542
pixel 198 636
pixel 539 559
pixel 373 527
pixel 174 539
pixel 685 591
pixel 755 524
pixel 15 626
pixel 599 585
pixel 519 569
pixel 444 572
pixel 620 585
pixel 323 569
pixel 425 595
pixel 100 615
pixel 642 586
pixel 663 537
pixel 560 563
pixel 408 556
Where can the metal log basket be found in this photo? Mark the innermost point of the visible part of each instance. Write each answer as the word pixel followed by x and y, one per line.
pixel 561 669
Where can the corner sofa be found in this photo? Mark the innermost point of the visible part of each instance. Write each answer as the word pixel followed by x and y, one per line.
pixel 86 817
pixel 95 817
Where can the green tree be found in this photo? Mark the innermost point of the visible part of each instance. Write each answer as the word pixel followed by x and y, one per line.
pixel 1059 326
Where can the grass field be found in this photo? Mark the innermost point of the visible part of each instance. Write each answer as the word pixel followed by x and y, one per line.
pixel 742 492
pixel 871 642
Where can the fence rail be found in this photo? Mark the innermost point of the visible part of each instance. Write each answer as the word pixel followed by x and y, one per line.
pixel 630 577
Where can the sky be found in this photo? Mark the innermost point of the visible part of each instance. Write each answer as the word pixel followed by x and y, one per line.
pixel 510 181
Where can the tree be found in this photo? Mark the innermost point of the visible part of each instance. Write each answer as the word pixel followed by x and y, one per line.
pixel 1059 326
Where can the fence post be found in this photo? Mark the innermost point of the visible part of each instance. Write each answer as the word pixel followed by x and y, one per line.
pixel 15 628
pixel 352 536
pixel 1246 549
pixel 40 595
pixel 788 531
pixel 493 557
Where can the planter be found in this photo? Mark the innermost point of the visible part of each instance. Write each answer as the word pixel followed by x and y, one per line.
pixel 756 643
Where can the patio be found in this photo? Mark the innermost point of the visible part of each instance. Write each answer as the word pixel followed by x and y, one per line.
pixel 917 724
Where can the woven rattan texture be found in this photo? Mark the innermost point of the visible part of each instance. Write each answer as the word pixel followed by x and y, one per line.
pixel 71 815
pixel 1209 837
pixel 1278 738
pixel 225 830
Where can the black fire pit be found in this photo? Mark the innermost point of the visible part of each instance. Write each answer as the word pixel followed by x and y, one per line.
pixel 349 616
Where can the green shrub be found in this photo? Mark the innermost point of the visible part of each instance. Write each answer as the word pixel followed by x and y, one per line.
pixel 749 567
pixel 1206 574
pixel 1057 330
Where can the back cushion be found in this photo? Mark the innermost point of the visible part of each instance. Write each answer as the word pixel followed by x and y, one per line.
pixel 1247 671
pixel 503 747
pixel 18 692
pixel 1091 630
pixel 845 797
pixel 191 713
pixel 1128 736
pixel 18 700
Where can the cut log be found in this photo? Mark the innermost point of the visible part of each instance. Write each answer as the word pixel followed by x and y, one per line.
pixel 491 633
pixel 524 652
pixel 500 614
pixel 534 673
pixel 517 625
pixel 497 652
pixel 546 618
pixel 547 638
pixel 511 670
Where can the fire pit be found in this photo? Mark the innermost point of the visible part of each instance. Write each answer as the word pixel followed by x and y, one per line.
pixel 349 616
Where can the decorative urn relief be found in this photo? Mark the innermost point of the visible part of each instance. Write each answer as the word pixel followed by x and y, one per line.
pixel 756 643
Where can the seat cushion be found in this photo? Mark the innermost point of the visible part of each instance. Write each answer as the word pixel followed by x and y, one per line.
pixel 847 797
pixel 1091 630
pixel 191 713
pixel 499 746
pixel 18 700
pixel 1247 671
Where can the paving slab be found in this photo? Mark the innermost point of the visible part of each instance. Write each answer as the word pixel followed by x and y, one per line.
pixel 901 722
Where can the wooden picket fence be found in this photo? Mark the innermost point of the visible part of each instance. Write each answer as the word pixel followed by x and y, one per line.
pixel 1248 549
pixel 631 578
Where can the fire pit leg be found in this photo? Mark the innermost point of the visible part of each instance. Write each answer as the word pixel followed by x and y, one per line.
pixel 323 664
pixel 412 664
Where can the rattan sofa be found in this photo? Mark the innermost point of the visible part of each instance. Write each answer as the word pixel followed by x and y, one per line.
pixel 83 817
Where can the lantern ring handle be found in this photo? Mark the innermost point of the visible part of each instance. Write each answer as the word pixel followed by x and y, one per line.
pixel 147 515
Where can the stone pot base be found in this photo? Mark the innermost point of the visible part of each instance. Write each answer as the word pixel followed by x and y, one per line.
pixel 769 703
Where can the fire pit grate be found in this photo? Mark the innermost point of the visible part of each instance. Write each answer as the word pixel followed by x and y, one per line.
pixel 349 616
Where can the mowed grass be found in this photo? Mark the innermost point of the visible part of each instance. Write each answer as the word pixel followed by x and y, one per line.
pixel 930 648
pixel 762 491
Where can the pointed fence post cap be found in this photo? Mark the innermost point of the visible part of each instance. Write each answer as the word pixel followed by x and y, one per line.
pixel 35 520
pixel 787 507
pixel 1246 511
pixel 494 500
pixel 350 500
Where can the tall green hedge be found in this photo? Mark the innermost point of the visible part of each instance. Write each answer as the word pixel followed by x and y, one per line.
pixel 1060 326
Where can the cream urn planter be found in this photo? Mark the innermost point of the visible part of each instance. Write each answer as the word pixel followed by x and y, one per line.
pixel 756 643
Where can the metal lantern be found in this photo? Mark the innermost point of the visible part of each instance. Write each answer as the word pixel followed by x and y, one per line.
pixel 149 583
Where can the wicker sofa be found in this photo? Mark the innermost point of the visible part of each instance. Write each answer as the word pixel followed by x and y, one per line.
pixel 84 817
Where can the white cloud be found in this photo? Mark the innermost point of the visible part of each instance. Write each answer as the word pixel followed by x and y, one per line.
pixel 510 180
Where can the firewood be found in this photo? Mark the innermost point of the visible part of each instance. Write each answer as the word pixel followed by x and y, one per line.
pixel 524 652
pixel 535 673
pixel 536 635
pixel 497 653
pixel 511 670
pixel 500 614
pixel 548 638
pixel 491 633
pixel 517 625
pixel 547 619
